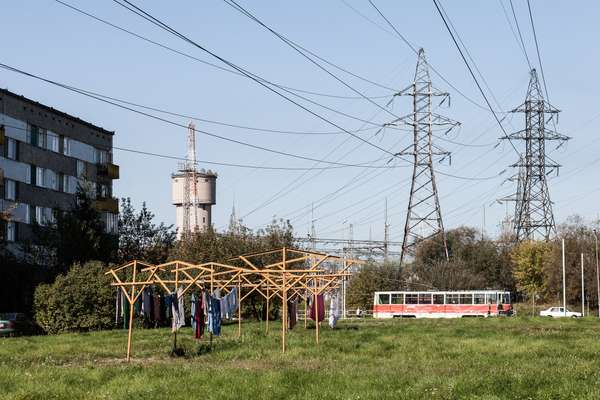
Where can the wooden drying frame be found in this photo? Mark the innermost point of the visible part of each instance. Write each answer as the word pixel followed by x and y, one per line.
pixel 296 271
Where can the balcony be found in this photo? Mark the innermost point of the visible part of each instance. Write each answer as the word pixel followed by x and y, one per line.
pixel 109 205
pixel 109 170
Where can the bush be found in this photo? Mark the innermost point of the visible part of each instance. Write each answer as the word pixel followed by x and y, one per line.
pixel 80 300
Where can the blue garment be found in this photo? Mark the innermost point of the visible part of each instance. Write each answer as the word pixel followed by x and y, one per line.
pixel 232 302
pixel 193 311
pixel 214 315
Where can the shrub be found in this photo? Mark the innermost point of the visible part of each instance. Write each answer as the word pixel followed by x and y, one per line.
pixel 80 300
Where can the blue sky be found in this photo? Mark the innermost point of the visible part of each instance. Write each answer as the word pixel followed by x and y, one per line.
pixel 46 38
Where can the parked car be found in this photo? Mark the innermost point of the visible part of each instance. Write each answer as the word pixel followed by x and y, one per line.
pixel 15 324
pixel 558 312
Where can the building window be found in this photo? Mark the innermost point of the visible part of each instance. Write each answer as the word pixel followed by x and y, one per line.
pixel 11 148
pixel 33 135
pixel 66 146
pixel 27 218
pixel 10 189
pixel 11 231
pixel 52 141
pixel 45 178
pixel 102 156
pixel 80 168
pixel 44 215
pixel 112 223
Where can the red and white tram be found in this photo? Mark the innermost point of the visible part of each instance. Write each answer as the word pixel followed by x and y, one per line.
pixel 453 304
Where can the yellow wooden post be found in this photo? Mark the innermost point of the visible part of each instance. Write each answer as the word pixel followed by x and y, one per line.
pixel 131 302
pixel 239 305
pixel 267 321
pixel 284 308
pixel 316 312
pixel 212 269
pixel 177 300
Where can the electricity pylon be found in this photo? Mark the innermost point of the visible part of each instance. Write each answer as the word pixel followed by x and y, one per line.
pixel 424 216
pixel 533 209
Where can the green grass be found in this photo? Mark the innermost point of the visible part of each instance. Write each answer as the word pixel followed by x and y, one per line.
pixel 503 358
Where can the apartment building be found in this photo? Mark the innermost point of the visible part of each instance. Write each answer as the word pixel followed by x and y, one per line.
pixel 45 154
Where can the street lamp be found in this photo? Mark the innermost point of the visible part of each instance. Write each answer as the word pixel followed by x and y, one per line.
pixel 597 269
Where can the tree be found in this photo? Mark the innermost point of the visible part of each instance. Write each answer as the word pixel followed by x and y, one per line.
pixel 370 279
pixel 476 262
pixel 80 300
pixel 77 236
pixel 140 238
pixel 530 258
pixel 200 247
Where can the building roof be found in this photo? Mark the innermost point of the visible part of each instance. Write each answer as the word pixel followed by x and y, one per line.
pixel 55 111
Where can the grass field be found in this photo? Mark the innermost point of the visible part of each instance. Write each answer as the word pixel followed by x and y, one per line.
pixel 504 358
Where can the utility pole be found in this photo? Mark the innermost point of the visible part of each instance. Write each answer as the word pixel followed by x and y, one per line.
pixel 597 269
pixel 563 280
pixel 582 289
pixel 386 232
pixel 533 207
pixel 424 216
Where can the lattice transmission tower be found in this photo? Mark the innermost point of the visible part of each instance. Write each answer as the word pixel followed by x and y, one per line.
pixel 190 192
pixel 533 218
pixel 424 216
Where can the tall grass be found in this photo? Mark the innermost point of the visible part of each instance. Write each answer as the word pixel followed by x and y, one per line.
pixel 495 358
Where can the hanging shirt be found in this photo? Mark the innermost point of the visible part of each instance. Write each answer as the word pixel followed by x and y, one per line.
pixel 232 302
pixel 214 315
pixel 178 319
pixel 334 310
pixel 292 308
pixel 320 303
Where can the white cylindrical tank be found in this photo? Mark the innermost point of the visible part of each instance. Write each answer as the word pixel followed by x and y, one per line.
pixel 206 188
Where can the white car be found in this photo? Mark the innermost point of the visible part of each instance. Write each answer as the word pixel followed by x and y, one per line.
pixel 557 312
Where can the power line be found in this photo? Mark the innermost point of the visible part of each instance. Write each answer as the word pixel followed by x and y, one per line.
pixel 414 49
pixel 367 165
pixel 140 12
pixel 181 53
pixel 283 153
pixel 520 35
pixel 472 74
pixel 302 51
pixel 537 48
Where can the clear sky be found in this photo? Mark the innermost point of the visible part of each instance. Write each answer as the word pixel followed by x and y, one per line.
pixel 49 39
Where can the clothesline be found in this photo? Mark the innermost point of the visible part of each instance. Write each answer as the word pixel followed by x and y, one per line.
pixel 287 279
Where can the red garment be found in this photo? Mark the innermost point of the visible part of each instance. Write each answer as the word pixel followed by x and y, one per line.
pixel 320 302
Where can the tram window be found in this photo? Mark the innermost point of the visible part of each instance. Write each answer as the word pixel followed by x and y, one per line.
pixel 491 298
pixel 411 299
pixel 438 299
pixel 397 298
pixel 425 298
pixel 466 298
pixel 479 298
pixel 384 299
pixel 452 299
pixel 506 298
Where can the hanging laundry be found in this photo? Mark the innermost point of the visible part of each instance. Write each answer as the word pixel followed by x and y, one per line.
pixel 147 304
pixel 320 303
pixel 156 309
pixel 178 319
pixel 334 310
pixel 197 316
pixel 232 302
pixel 168 306
pixel 292 308
pixel 214 315
pixel 126 308
pixel 118 306
pixel 137 306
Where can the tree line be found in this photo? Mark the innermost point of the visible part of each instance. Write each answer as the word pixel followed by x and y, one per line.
pixel 530 270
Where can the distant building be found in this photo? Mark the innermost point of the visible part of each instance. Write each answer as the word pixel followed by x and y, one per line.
pixel 44 155
pixel 199 206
